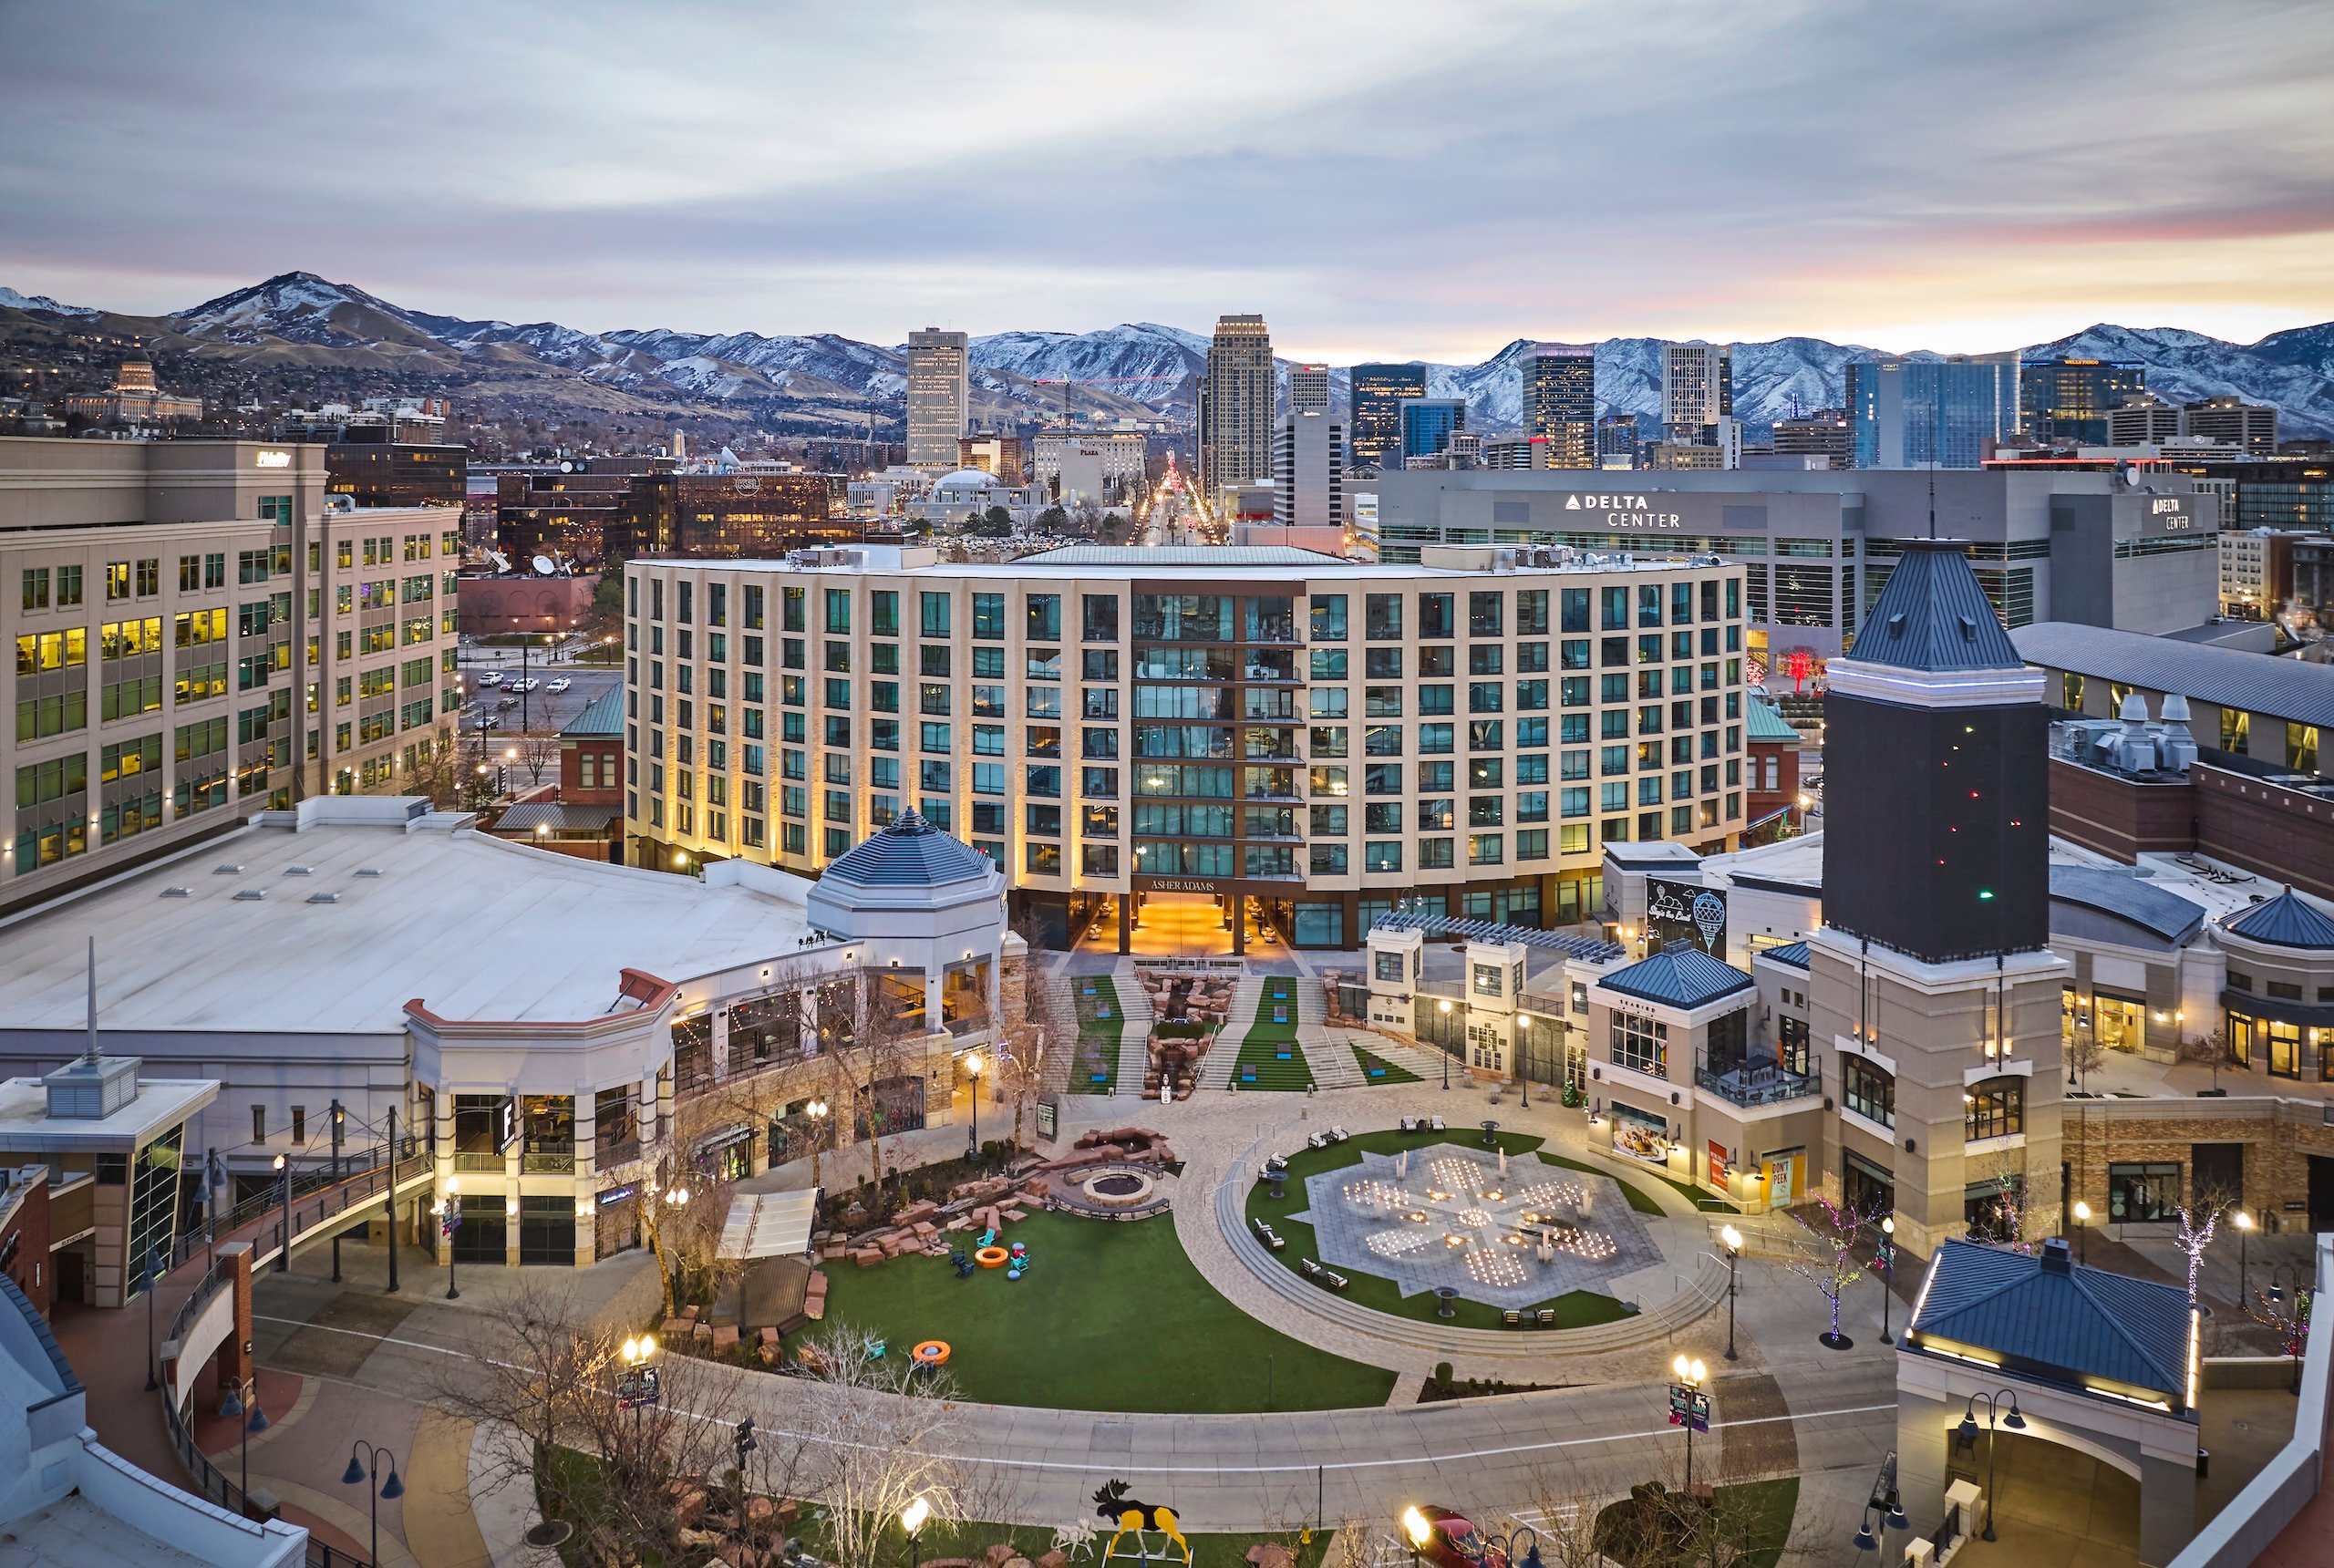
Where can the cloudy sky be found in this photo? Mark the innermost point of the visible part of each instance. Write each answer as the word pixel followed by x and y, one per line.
pixel 1379 180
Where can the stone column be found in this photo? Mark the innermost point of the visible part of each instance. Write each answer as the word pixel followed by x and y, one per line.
pixel 235 1358
pixel 720 1044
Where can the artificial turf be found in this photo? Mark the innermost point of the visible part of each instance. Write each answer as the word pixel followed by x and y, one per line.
pixel 1111 1316
pixel 1376 1069
pixel 1259 1064
pixel 971 1539
pixel 1574 1309
pixel 1102 1024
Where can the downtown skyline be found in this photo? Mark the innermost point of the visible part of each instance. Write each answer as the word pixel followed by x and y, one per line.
pixel 1552 171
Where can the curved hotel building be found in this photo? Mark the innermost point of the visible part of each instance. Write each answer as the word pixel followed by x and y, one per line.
pixel 1303 739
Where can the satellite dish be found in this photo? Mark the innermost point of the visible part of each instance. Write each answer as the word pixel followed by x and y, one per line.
pixel 544 566
pixel 567 468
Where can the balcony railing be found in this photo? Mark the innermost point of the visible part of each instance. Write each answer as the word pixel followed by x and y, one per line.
pixel 548 1161
pixel 480 1161
pixel 1747 1083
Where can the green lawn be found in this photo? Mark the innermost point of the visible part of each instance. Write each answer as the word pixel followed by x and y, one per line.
pixel 1110 1317
pixel 1574 1309
pixel 1101 1023
pixel 1376 1069
pixel 1259 1064
pixel 1776 1503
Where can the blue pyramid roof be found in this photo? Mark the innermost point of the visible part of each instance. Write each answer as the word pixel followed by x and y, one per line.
pixel 1680 975
pixel 910 853
pixel 1933 615
pixel 2286 920
pixel 2056 1318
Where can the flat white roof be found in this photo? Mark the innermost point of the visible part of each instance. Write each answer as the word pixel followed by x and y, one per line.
pixel 474 927
pixel 73 1533
pixel 26 1128
pixel 1179 565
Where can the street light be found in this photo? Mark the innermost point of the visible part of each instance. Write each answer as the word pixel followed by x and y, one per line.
pixel 1888 1270
pixel 257 1421
pixel 1968 1432
pixel 358 1474
pixel 283 1256
pixel 2244 1222
pixel 448 1210
pixel 1689 1373
pixel 912 1520
pixel 1732 1238
pixel 1886 1505
pixel 1444 1006
pixel 1524 1058
pixel 972 1138
pixel 150 1268
pixel 1419 1528
pixel 2082 1229
pixel 817 1110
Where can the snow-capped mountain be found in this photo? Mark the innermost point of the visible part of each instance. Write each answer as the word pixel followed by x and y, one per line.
pixel 1140 369
pixel 11 299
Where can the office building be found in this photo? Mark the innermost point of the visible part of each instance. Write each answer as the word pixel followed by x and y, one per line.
pixel 2143 421
pixel 1931 413
pixel 2065 402
pixel 687 1022
pixel 1515 452
pixel 1299 737
pixel 1107 462
pixel 2291 492
pixel 1827 433
pixel 134 399
pixel 1560 402
pixel 2252 427
pixel 1696 386
pixel 1376 430
pixel 1428 424
pixel 1001 454
pixel 2137 550
pixel 201 636
pixel 1616 441
pixel 1309 472
pixel 1308 388
pixel 385 473
pixel 1236 406
pixel 939 395
pixel 1675 457
pixel 2257 571
pixel 611 508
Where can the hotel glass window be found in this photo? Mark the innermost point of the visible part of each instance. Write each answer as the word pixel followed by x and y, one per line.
pixel 1868 1089
pixel 1641 1044
pixel 2119 1021
pixel 2284 1042
pixel 2301 747
pixel 1997 1108
pixel 2142 1190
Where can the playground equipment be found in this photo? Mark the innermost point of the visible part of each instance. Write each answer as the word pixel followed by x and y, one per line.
pixel 931 1353
pixel 992 1257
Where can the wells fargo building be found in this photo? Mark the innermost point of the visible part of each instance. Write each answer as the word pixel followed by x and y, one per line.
pixel 1301 738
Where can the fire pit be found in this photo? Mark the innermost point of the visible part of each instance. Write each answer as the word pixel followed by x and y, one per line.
pixel 1119 1187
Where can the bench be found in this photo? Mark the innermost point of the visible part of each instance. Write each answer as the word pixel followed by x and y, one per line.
pixel 1409 1124
pixel 1266 1234
pixel 1548 1317
pixel 1319 1275
pixel 1317 1141
pixel 1338 1135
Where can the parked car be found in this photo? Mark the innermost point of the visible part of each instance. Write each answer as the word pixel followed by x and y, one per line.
pixel 561 684
pixel 491 678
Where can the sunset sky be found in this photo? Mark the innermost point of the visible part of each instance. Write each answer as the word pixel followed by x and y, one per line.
pixel 1380 181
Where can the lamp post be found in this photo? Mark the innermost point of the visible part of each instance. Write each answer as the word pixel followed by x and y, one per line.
pixel 1523 1057
pixel 1690 1407
pixel 448 1210
pixel 149 1270
pixel 1444 1008
pixel 1883 1504
pixel 360 1474
pixel 1732 1239
pixel 912 1520
pixel 257 1421
pixel 972 1138
pixel 1887 1261
pixel 1968 1432
pixel 1418 1528
pixel 638 1385
pixel 2082 1229
pixel 742 1441
pixel 2244 1222
pixel 817 1111
pixel 283 1173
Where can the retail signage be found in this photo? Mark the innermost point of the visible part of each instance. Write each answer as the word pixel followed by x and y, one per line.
pixel 1625 511
pixel 1689 1408
pixel 1175 884
pixel 273 460
pixel 641 1387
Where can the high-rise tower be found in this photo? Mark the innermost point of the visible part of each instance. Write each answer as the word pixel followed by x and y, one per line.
pixel 1933 975
pixel 939 394
pixel 1236 406
pixel 1308 388
pixel 1377 424
pixel 1560 402
pixel 1697 387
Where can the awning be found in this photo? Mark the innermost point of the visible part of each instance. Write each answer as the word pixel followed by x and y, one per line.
pixel 2299 1013
pixel 769 1224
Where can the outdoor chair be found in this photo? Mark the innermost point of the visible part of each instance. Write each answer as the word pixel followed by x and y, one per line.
pixel 1548 1317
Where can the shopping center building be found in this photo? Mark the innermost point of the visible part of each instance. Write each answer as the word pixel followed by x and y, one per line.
pixel 1291 738
pixel 2134 549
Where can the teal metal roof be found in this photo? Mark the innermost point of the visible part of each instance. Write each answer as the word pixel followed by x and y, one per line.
pixel 1795 954
pixel 910 853
pixel 1680 975
pixel 1767 724
pixel 2286 920
pixel 2056 1320
pixel 603 715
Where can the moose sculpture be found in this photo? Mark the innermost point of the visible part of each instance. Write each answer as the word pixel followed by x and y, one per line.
pixel 1112 1502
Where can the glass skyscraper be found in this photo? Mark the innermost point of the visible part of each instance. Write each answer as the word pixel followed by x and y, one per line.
pixel 1428 423
pixel 1560 401
pixel 2067 400
pixel 1378 391
pixel 1920 414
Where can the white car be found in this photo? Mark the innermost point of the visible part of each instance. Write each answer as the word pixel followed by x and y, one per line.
pixel 491 678
pixel 561 684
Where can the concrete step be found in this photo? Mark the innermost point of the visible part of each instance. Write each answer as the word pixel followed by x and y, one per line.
pixel 1330 1059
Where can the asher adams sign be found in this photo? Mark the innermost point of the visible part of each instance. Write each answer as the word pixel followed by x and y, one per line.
pixel 1624 510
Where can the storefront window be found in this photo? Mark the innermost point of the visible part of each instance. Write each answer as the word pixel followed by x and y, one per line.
pixel 2141 1191
pixel 1995 1108
pixel 1990 1208
pixel 764 1032
pixel 616 1127
pixel 1869 1188
pixel 1641 1044
pixel 1868 1089
pixel 547 1127
pixel 2241 1030
pixel 964 995
pixel 693 1055
pixel 2119 1020
pixel 2285 1048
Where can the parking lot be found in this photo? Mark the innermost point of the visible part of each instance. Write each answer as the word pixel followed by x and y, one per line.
pixel 543 708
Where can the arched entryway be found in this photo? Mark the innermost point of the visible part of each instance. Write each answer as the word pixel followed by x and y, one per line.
pixel 2053 1503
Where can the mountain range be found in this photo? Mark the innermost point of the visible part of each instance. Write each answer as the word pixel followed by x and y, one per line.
pixel 300 330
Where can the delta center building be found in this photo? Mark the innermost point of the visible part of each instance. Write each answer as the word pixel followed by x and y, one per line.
pixel 1299 739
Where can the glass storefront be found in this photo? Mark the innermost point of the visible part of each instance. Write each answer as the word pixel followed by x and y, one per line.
pixel 2119 1021
pixel 897 1105
pixel 547 1230
pixel 482 1235
pixel 1869 1188
pixel 727 1156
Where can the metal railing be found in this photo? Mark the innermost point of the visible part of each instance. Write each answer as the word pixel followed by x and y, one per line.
pixel 1755 1084
pixel 320 1192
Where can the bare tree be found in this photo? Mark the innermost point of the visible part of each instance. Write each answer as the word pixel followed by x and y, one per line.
pixel 2085 1056
pixel 1831 1265
pixel 538 753
pixel 437 774
pixel 2213 1050
pixel 1660 1522
pixel 871 1030
pixel 2007 1219
pixel 2198 1218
